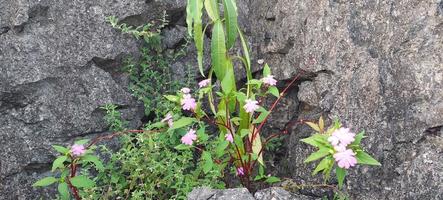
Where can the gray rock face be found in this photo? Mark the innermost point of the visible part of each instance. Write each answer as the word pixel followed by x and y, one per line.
pixel 274 193
pixel 377 66
pixel 58 64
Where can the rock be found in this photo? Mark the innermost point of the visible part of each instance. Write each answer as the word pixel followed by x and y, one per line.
pixel 59 63
pixel 274 193
pixel 376 66
pixel 205 193
pixel 277 193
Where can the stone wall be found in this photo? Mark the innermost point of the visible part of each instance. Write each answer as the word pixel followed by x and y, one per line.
pixel 375 64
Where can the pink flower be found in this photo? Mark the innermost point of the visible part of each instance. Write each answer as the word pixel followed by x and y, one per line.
pixel 204 83
pixel 250 106
pixel 188 103
pixel 240 171
pixel 345 159
pixel 168 118
pixel 189 138
pixel 185 90
pixel 78 150
pixel 269 80
pixel 341 137
pixel 229 137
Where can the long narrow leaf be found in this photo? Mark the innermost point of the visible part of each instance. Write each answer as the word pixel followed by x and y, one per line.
pixel 190 15
pixel 198 33
pixel 231 22
pixel 211 7
pixel 218 50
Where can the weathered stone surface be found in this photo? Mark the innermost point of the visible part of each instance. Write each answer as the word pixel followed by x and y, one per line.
pixel 59 62
pixel 205 193
pixel 274 193
pixel 377 66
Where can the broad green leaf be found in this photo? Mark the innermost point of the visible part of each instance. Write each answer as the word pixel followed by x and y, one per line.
pixel 340 173
pixel 172 98
pixel 317 140
pixel 272 179
pixel 182 122
pixel 244 132
pixel 45 182
pixel 201 135
pixel 182 147
pixel 325 163
pixel 220 149
pixel 228 82
pixel 231 23
pixel 58 162
pixel 218 50
pixel 256 145
pixel 62 150
pixel 366 159
pixel 63 191
pixel 274 91
pixel 82 142
pixel 211 7
pixel 266 70
pixel 261 117
pixel 95 160
pixel 358 138
pixel 208 163
pixel 82 182
pixel 313 126
pixel 317 155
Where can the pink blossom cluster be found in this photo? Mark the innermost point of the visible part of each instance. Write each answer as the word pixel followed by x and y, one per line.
pixel 240 171
pixel 78 150
pixel 269 80
pixel 189 137
pixel 204 83
pixel 340 139
pixel 251 106
pixel 188 103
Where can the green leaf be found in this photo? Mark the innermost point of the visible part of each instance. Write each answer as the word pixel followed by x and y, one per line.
pixel 257 146
pixel 246 55
pixel 190 14
pixel 274 91
pixel 82 142
pixel 208 163
pixel 198 34
pixel 324 164
pixel 182 122
pixel 82 182
pixel 62 150
pixel 266 70
pixel 172 98
pixel 95 160
pixel 45 182
pixel 201 135
pixel 63 191
pixel 218 50
pixel 358 138
pixel 340 173
pixel 261 117
pixel 231 22
pixel 211 7
pixel 272 179
pixel 58 162
pixel 220 149
pixel 317 155
pixel 366 159
pixel 182 147
pixel 317 140
pixel 228 82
